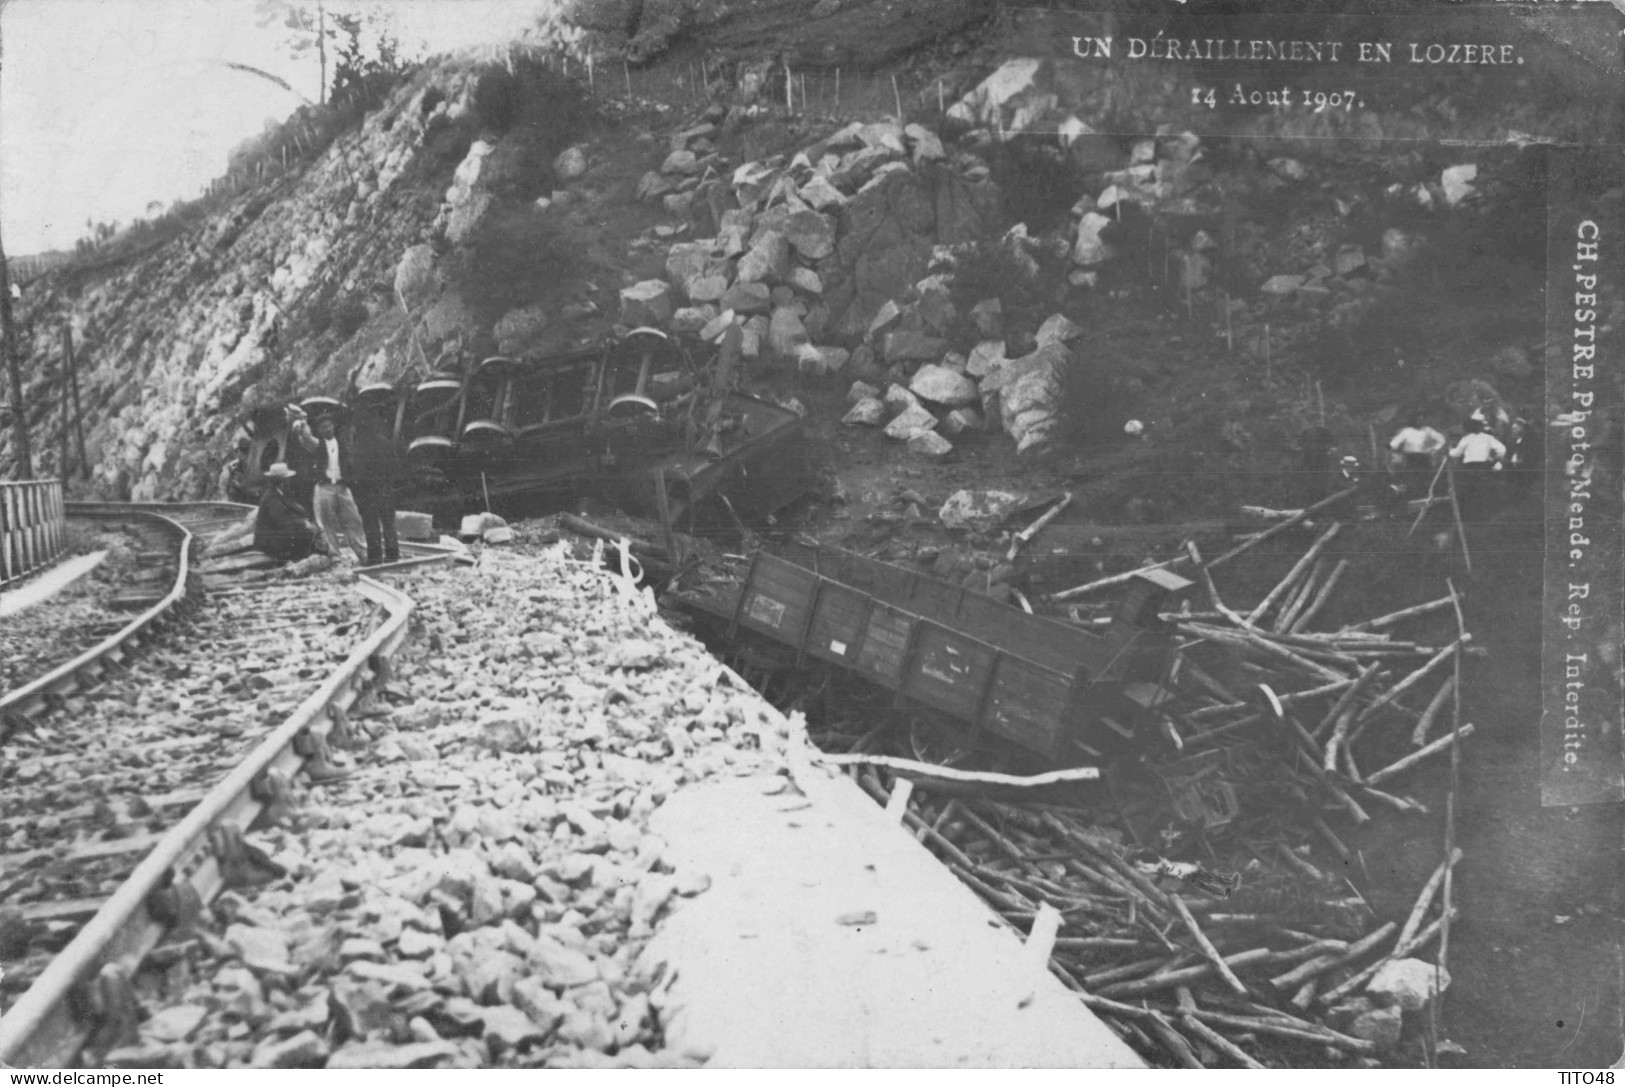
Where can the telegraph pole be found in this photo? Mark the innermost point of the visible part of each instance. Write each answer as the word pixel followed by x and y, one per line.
pixel 8 333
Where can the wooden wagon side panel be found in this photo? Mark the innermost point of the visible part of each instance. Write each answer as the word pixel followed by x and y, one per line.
pixel 1028 705
pixel 838 623
pixel 778 599
pixel 885 644
pixel 949 671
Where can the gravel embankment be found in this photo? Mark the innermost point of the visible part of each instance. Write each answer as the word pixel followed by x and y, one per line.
pixel 477 893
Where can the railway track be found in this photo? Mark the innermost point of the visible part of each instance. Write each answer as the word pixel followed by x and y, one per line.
pixel 129 777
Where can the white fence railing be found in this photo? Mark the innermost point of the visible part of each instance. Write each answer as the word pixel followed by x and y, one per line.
pixel 33 527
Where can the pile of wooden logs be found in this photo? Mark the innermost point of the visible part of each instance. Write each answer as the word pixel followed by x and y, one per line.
pixel 1327 690
pixel 1347 718
pixel 1185 977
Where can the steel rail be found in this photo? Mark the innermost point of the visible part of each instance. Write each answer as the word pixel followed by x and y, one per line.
pixel 27 700
pixel 42 1028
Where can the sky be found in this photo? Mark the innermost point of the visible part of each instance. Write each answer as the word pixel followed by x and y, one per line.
pixel 107 106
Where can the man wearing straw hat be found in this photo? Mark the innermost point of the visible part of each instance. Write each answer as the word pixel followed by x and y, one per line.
pixel 282 527
pixel 336 514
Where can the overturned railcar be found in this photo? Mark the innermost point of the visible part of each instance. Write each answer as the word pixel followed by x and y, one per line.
pixel 633 421
pixel 974 671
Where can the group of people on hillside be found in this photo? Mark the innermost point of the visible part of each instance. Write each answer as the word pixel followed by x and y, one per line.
pixel 1418 453
pixel 355 476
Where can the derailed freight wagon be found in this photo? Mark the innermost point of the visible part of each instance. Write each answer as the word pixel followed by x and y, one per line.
pixel 979 672
pixel 633 421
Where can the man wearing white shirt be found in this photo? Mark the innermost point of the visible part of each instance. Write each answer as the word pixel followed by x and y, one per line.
pixel 1479 452
pixel 1416 451
pixel 335 509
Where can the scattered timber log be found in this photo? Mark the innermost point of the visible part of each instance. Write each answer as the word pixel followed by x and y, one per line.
pixel 1038 526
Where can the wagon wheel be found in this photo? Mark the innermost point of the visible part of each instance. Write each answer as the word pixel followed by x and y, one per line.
pixel 930 742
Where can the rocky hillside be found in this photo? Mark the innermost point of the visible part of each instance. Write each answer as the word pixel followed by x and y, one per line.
pixel 992 257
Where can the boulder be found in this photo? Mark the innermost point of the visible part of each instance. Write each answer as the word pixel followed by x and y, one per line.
pixel 570 163
pixel 861 390
pixel 1457 182
pixel 746 298
pixel 962 421
pixel 786 333
pixel 1410 983
pixel 914 346
pixel 899 399
pixel 1089 249
pixel 767 259
pixel 944 386
pixel 753 335
pixel 1397 246
pixel 805 279
pixel 646 303
pixel 734 230
pixel 560 965
pixel 985 357
pixel 866 412
pixel 681 162
pixel 935 307
pixel 262 950
pixel 910 422
pixel 1057 329
pixel 926 145
pixel 1033 439
pixel 1382 1026
pixel 519 329
pixel 1045 359
pixel 653 186
pixel 1282 284
pixel 928 443
pixel 175 1023
pixel 718 325
pixel 1349 259
pixel 507 1028
pixel 812 234
pixel 983 105
pixel 705 288
pixel 821 361
pixel 988 315
pixel 980 510
pixel 1032 391
pixel 820 195
pixel 687 260
pixel 415 276
pixel 1288 169
pixel 692 319
pixel 303 1050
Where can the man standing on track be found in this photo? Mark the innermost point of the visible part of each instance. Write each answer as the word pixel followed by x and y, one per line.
pixel 1479 452
pixel 374 473
pixel 1416 450
pixel 336 513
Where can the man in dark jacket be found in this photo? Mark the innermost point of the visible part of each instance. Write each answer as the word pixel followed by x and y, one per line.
pixel 374 473
pixel 282 528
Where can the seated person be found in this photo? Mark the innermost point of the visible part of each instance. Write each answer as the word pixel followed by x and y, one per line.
pixel 283 529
